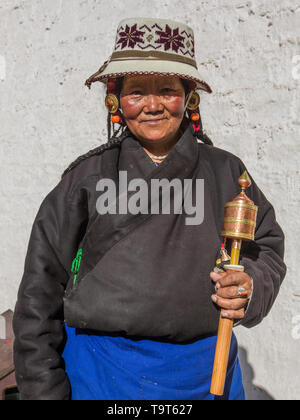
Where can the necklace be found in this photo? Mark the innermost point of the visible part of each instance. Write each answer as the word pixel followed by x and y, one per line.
pixel 158 157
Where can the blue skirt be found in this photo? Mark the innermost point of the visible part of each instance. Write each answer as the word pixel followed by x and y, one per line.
pixel 101 367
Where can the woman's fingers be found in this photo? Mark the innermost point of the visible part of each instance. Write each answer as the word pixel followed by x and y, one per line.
pixel 233 285
pixel 237 278
pixel 229 314
pixel 233 304
pixel 232 292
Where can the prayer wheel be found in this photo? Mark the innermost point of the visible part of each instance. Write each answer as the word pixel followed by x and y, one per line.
pixel 239 225
pixel 240 214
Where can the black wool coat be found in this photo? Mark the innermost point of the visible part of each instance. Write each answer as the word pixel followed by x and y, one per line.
pixel 141 275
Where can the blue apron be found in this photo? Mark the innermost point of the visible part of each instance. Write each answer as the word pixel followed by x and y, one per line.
pixel 101 367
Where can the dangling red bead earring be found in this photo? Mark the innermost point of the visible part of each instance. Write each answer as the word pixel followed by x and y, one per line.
pixel 116 119
pixel 195 119
pixel 194 113
pixel 112 102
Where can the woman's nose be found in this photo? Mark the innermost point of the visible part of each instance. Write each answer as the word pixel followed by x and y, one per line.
pixel 153 104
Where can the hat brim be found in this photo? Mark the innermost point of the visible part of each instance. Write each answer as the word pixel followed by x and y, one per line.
pixel 122 68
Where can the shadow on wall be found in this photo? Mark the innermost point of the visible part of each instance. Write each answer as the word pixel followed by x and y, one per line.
pixel 252 391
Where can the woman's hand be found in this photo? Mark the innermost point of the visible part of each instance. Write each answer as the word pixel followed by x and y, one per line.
pixel 233 291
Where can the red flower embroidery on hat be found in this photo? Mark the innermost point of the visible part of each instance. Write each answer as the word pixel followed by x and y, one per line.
pixel 170 39
pixel 130 37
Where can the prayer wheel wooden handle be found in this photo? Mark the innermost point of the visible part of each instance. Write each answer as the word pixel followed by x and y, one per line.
pixel 221 356
pixel 223 345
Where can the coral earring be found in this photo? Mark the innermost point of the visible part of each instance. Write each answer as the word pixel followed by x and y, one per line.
pixel 116 119
pixel 195 117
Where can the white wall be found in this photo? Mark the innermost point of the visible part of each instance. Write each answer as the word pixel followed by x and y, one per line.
pixel 250 54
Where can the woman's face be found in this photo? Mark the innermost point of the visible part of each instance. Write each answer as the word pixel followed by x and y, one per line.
pixel 153 107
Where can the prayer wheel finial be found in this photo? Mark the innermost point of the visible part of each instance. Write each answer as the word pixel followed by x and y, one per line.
pixel 240 214
pixel 245 181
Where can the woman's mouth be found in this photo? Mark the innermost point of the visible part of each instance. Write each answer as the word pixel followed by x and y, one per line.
pixel 154 122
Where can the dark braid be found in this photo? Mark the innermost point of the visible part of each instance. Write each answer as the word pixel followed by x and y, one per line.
pixel 201 135
pixel 206 139
pixel 189 87
pixel 111 127
pixel 113 142
pixel 108 126
pixel 115 137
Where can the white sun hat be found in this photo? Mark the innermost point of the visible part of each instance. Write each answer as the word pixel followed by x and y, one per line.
pixel 152 46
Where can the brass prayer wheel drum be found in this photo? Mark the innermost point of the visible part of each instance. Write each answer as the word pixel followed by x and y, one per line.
pixel 240 214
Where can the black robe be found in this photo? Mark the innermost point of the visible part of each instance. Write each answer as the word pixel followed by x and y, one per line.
pixel 144 275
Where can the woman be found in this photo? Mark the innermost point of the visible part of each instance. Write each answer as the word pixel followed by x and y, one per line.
pixel 137 316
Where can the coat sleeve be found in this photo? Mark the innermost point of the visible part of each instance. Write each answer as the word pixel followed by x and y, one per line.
pixel 263 259
pixel 38 318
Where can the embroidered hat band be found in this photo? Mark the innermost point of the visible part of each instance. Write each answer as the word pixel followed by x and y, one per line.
pixel 152 46
pixel 153 55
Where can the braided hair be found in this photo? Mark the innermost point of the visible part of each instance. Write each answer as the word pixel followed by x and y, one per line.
pixel 115 137
pixel 112 143
pixel 201 135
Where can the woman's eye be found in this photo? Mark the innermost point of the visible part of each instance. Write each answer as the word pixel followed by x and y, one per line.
pixel 167 90
pixel 136 92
